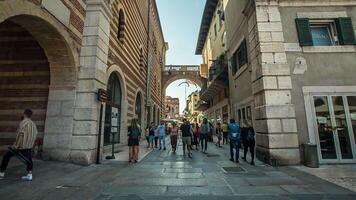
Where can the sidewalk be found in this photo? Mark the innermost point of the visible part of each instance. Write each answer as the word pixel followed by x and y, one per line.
pixel 343 175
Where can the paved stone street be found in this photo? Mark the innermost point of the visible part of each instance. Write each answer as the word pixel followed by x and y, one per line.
pixel 164 175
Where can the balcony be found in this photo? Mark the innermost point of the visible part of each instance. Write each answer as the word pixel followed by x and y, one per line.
pixel 218 79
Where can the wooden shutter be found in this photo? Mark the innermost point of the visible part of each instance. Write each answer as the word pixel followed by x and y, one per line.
pixel 304 34
pixel 345 31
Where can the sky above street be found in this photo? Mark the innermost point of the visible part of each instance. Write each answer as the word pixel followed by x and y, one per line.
pixel 180 21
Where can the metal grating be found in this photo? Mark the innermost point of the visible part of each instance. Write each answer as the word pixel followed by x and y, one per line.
pixel 213 155
pixel 233 169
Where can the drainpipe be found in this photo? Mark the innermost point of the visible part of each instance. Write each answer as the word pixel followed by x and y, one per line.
pixel 148 78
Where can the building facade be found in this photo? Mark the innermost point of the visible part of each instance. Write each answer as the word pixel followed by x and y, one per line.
pixel 211 45
pixel 172 108
pixel 193 114
pixel 56 56
pixel 291 69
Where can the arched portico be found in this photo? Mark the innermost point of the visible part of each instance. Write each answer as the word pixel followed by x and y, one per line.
pixel 47 35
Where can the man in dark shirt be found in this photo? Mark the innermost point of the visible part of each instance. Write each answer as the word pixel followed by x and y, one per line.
pixel 187 132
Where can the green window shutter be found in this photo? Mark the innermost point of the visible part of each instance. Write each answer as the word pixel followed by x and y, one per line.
pixel 345 31
pixel 304 34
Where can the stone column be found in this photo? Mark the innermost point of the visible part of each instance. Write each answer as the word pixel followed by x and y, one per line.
pixel 275 122
pixel 91 77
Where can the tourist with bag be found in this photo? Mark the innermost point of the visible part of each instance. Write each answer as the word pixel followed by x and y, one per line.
pixel 234 137
pixel 134 134
pixel 22 148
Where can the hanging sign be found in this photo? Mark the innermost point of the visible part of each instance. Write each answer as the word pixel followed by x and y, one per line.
pixel 102 95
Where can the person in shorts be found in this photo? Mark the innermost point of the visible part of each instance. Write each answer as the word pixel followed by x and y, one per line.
pixel 151 135
pixel 187 133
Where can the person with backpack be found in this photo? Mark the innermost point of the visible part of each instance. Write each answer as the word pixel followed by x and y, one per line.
pixel 250 142
pixel 187 132
pixel 204 134
pixel 161 132
pixel 234 137
pixel 25 139
pixel 134 134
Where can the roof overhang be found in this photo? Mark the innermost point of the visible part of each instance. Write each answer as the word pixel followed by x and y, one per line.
pixel 208 14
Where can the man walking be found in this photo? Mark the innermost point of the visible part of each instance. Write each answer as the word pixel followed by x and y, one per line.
pixel 204 134
pixel 225 129
pixel 25 139
pixel 234 136
pixel 161 132
pixel 187 132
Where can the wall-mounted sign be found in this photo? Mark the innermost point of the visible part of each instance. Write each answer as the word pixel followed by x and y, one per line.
pixel 114 119
pixel 102 95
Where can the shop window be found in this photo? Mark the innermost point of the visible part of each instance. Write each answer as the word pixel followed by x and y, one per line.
pixel 325 32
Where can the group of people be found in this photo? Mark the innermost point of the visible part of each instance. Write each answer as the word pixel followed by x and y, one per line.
pixel 195 135
pixel 191 134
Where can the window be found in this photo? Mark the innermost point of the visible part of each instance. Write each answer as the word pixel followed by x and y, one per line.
pixel 215 31
pixel 325 32
pixel 121 27
pixel 239 58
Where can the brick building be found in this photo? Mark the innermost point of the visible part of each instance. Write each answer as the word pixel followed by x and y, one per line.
pixel 54 57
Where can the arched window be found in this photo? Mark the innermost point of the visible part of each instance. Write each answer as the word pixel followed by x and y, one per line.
pixel 121 27
pixel 113 111
pixel 138 108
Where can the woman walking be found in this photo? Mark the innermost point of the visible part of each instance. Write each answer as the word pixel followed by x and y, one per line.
pixel 219 134
pixel 151 135
pixel 204 133
pixel 134 134
pixel 196 135
pixel 174 136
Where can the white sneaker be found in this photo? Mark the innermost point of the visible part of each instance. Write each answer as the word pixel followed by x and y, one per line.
pixel 2 175
pixel 28 177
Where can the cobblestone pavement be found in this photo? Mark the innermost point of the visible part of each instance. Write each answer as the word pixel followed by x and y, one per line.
pixel 164 175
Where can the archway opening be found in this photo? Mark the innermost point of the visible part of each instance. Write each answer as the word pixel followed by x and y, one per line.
pixel 113 111
pixel 38 72
pixel 179 96
pixel 24 82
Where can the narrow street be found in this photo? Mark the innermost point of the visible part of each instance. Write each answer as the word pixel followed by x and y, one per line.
pixel 164 175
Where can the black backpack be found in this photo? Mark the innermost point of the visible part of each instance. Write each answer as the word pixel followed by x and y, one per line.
pixel 250 135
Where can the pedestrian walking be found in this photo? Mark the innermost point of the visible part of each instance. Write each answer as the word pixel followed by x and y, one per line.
pixel 161 132
pixel 187 132
pixel 225 129
pixel 25 140
pixel 219 134
pixel 174 136
pixel 234 137
pixel 134 134
pixel 156 137
pixel 211 132
pixel 151 135
pixel 196 135
pixel 250 142
pixel 204 134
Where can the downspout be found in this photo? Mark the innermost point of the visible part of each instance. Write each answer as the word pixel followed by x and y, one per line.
pixel 148 77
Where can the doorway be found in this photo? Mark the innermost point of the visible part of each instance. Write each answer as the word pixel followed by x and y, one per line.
pixel 113 111
pixel 334 119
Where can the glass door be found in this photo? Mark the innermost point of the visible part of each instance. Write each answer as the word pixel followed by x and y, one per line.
pixel 334 128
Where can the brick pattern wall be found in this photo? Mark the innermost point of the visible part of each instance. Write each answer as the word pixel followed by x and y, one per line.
pixel 24 72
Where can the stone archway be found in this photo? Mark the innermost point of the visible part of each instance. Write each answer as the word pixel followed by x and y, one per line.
pixel 46 33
